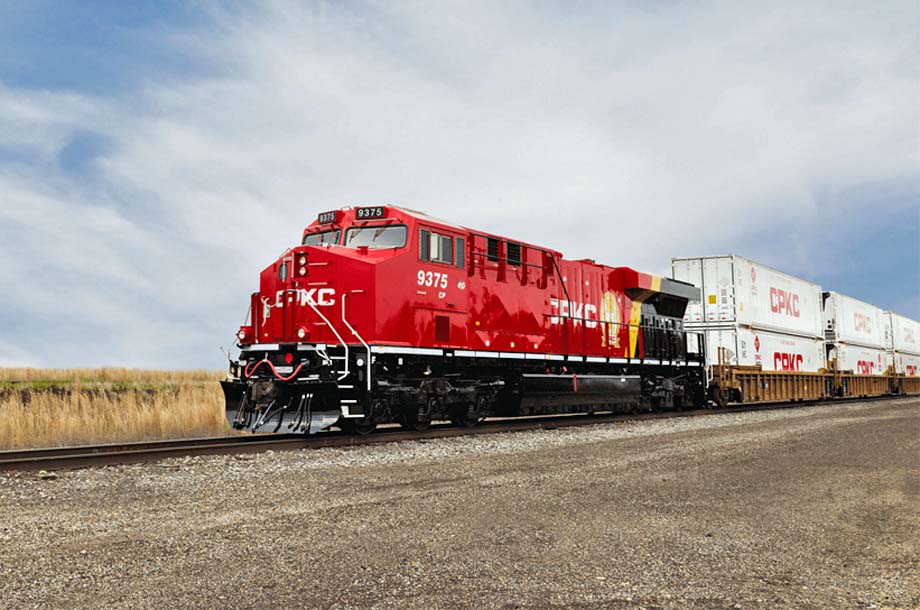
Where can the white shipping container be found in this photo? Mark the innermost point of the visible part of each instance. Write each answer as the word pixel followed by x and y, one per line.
pixel 902 334
pixel 847 320
pixel 772 351
pixel 738 291
pixel 907 364
pixel 860 359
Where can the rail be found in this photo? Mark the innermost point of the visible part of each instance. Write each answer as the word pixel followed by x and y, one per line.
pixel 126 453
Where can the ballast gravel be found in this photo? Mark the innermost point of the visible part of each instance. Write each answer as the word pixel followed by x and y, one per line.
pixel 817 507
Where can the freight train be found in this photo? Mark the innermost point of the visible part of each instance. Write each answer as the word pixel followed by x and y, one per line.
pixel 384 314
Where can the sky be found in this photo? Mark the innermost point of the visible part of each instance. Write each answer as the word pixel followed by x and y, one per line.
pixel 155 156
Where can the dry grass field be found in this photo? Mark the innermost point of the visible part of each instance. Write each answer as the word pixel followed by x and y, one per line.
pixel 53 407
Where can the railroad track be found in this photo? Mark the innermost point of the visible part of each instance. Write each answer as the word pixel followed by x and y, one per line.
pixel 58 458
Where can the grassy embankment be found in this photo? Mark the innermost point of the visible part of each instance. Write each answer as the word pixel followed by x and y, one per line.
pixel 52 407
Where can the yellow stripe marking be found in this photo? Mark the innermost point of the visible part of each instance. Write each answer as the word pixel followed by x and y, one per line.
pixel 634 318
pixel 635 315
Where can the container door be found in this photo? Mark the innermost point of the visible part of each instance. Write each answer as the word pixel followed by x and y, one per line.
pixel 690 270
pixel 726 339
pixel 719 290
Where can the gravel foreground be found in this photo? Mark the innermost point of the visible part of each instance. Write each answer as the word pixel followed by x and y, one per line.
pixel 817 507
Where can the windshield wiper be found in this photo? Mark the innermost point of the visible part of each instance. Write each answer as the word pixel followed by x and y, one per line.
pixel 379 231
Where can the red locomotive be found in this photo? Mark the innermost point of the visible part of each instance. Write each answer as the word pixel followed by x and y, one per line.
pixel 384 314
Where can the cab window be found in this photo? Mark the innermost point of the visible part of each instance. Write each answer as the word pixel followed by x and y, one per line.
pixel 376 237
pixel 435 247
pixel 322 238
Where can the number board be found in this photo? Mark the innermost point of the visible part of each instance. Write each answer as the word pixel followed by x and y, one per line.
pixel 370 213
pixel 326 217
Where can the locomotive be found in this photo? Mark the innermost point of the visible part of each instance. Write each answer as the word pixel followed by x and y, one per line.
pixel 384 314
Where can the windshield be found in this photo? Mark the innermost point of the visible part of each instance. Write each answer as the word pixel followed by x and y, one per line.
pixel 375 237
pixel 319 239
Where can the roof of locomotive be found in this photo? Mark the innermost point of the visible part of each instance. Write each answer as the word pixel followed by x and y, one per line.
pixel 416 214
pixel 637 279
pixel 428 218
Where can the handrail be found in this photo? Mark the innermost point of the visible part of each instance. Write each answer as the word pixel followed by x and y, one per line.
pixel 562 281
pixel 312 305
pixel 363 342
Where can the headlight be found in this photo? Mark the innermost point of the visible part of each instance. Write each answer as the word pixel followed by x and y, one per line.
pixel 301 332
pixel 303 261
pixel 303 271
pixel 241 334
pixel 360 361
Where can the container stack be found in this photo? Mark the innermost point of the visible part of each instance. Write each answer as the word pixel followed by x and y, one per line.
pixel 855 335
pixel 759 316
pixel 902 336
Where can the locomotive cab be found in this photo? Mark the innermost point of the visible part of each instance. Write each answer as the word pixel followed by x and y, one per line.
pixel 305 359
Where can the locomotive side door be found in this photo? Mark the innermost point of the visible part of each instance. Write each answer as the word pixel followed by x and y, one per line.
pixel 440 311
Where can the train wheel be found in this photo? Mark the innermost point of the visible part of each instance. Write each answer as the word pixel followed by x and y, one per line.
pixel 415 424
pixel 419 418
pixel 717 396
pixel 470 414
pixel 359 427
pixel 466 420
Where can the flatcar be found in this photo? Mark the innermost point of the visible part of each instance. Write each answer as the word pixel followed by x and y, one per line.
pixel 383 314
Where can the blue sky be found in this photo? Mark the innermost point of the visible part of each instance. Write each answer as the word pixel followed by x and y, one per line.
pixel 101 47
pixel 154 156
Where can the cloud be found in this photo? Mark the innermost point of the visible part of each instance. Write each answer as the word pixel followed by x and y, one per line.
pixel 625 133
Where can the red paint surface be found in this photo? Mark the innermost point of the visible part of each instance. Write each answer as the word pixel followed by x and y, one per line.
pixel 393 298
